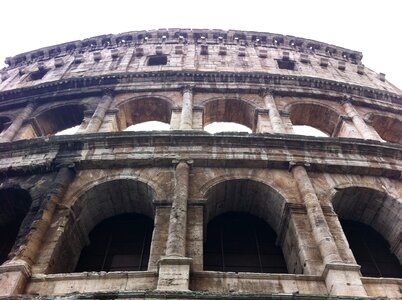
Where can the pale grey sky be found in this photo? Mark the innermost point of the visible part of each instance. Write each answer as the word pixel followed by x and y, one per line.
pixel 373 27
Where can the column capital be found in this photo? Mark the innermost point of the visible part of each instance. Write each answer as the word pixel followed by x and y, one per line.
pixel 108 92
pixel 71 166
pixel 176 162
pixel 293 164
pixel 266 91
pixel 345 99
pixel 189 88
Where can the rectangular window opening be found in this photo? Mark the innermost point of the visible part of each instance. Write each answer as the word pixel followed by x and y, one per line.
pixel 286 64
pixel 158 60
pixel 37 74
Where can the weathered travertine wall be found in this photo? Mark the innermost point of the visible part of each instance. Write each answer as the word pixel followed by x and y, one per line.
pixel 183 178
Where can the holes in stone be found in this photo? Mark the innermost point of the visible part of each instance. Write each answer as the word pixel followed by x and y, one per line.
pixel 120 243
pixel 240 242
pixel 371 251
pixel 286 64
pixel 158 60
pixel 36 75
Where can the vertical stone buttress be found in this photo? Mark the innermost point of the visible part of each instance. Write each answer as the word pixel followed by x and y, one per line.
pixel 174 268
pixel 15 126
pixel 15 273
pixel 186 120
pixel 97 118
pixel 358 121
pixel 340 278
pixel 274 116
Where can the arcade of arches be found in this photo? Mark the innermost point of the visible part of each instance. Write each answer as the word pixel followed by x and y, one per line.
pixel 330 119
pixel 114 229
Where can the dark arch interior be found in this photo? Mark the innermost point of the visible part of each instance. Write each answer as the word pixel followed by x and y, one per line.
pixel 14 205
pixel 390 129
pixel 144 110
pixel 60 118
pixel 229 110
pixel 240 242
pixel 120 243
pixel 314 115
pixel 3 122
pixel 371 251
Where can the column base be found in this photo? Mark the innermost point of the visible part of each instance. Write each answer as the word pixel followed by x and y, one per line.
pixel 14 277
pixel 174 273
pixel 343 280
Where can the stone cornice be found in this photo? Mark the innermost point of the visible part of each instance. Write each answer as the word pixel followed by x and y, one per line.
pixel 187 36
pixel 224 82
pixel 158 149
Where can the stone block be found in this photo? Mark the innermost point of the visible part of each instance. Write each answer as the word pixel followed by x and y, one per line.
pixel 174 274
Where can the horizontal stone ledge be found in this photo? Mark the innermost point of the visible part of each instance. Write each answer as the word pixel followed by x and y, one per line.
pixel 154 294
pixel 158 149
pixel 296 84
pixel 91 275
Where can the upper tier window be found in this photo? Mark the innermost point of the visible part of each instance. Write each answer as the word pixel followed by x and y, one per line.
pixel 158 60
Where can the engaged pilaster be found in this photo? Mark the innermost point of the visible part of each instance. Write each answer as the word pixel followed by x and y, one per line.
pixel 15 126
pixel 358 121
pixel 97 118
pixel 174 268
pixel 186 121
pixel 340 278
pixel 15 273
pixel 274 116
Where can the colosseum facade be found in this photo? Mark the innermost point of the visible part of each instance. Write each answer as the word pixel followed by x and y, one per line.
pixel 108 212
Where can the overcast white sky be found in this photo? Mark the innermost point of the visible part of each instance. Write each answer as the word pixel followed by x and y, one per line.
pixel 373 27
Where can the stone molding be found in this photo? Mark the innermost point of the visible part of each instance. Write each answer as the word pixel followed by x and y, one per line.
pixel 282 84
pixel 189 36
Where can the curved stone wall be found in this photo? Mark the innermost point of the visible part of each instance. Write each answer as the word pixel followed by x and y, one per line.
pixel 301 186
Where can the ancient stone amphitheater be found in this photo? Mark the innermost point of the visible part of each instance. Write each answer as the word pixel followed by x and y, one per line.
pixel 185 214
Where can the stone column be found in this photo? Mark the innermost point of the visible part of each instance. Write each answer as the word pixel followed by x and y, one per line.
pixel 340 278
pixel 186 121
pixel 274 116
pixel 15 273
pixel 15 126
pixel 357 120
pixel 263 121
pixel 99 114
pixel 174 268
pixel 321 232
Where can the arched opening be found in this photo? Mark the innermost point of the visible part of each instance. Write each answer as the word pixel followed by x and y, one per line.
pixel 375 209
pixel 3 123
pixel 144 110
pixel 68 131
pixel 217 127
pixel 57 119
pixel 308 130
pixel 389 129
pixel 371 251
pixel 119 243
pixel 101 202
pixel 240 242
pixel 149 126
pixel 14 205
pixel 239 212
pixel 314 115
pixel 229 111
